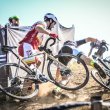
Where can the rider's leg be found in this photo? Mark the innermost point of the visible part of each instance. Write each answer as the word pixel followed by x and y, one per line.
pixel 90 62
pixel 58 75
pixel 26 50
pixel 62 75
pixel 27 54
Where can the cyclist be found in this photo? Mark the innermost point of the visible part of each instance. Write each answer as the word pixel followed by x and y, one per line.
pixel 15 21
pixel 33 39
pixel 71 48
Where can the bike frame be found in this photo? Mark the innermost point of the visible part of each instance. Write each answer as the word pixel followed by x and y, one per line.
pixel 46 52
pixel 102 61
pixel 51 57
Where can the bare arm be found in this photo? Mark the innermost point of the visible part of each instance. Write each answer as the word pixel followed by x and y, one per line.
pixel 42 30
pixel 90 39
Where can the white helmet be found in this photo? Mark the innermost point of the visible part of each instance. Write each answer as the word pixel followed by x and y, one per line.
pixel 50 16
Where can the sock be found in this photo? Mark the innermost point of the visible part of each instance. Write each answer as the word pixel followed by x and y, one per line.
pixel 92 63
pixel 57 89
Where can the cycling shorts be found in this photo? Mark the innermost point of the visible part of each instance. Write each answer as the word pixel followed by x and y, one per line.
pixel 26 51
pixel 70 50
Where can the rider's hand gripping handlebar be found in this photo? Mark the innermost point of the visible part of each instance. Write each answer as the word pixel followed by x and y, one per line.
pixel 41 48
pixel 100 46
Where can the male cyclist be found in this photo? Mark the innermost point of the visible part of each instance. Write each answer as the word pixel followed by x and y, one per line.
pixel 34 38
pixel 71 48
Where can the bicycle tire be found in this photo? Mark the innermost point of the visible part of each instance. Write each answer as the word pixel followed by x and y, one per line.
pixel 79 62
pixel 107 61
pixel 12 90
pixel 100 80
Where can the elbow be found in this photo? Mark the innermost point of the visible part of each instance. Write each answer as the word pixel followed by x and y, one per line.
pixel 88 39
pixel 38 28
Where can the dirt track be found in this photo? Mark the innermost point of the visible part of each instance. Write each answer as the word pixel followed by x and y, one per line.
pixel 47 99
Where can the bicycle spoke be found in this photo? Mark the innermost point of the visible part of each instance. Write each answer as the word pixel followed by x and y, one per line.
pixel 102 81
pixel 73 77
pixel 20 85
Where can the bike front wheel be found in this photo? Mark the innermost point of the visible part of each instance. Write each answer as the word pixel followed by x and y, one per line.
pixel 19 83
pixel 74 76
pixel 104 82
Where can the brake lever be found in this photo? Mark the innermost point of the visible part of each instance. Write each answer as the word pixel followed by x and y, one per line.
pixel 58 39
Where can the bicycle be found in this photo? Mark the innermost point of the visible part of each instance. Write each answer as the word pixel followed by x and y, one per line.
pixel 103 62
pixel 22 78
pixel 22 74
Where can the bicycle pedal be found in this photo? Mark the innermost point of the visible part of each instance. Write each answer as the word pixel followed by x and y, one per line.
pixel 42 78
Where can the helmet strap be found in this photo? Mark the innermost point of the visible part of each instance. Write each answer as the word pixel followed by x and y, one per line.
pixel 50 22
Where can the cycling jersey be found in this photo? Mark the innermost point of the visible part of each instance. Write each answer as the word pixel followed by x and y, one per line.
pixel 33 37
pixel 71 48
pixel 75 43
pixel 30 43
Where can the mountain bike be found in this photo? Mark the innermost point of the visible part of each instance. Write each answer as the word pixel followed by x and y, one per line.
pixel 24 81
pixel 103 62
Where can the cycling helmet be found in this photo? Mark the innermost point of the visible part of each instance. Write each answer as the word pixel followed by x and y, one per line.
pixel 50 16
pixel 68 42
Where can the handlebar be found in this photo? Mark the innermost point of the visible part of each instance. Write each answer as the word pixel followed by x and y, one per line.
pixel 41 48
pixel 102 47
pixel 104 43
pixel 46 43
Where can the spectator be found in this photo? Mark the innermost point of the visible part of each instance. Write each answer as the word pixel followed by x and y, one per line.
pixel 13 21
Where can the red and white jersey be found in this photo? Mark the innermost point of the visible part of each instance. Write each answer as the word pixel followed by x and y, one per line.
pixel 33 37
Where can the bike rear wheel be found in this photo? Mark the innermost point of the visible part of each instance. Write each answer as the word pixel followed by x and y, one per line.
pixel 107 61
pixel 19 82
pixel 78 72
pixel 104 82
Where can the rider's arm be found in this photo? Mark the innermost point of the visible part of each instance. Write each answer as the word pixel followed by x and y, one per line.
pixel 83 41
pixel 40 28
pixel 90 39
